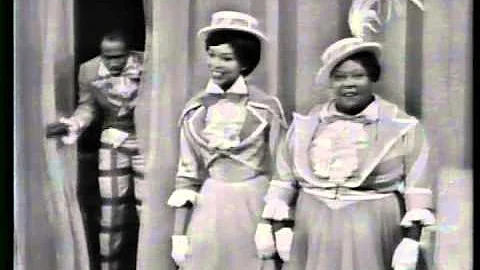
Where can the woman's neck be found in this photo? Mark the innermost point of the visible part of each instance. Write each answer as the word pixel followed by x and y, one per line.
pixel 354 110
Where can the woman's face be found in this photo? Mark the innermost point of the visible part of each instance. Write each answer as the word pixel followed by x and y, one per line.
pixel 223 65
pixel 352 87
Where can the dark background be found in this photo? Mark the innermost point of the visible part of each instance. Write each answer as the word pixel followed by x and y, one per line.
pixel 93 18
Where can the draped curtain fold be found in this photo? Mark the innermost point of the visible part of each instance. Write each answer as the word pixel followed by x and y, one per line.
pixel 48 225
pixel 425 75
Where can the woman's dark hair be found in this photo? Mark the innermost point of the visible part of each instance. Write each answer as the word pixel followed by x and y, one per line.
pixel 368 60
pixel 246 47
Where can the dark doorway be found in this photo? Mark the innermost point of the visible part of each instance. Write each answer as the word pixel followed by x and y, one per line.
pixel 93 18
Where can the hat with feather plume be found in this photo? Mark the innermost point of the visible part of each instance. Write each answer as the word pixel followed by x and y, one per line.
pixel 361 18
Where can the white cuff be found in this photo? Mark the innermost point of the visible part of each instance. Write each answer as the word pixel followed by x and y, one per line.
pixel 180 197
pixel 276 209
pixel 425 216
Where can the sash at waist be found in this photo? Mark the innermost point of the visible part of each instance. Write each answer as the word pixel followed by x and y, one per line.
pixel 344 193
pixel 229 170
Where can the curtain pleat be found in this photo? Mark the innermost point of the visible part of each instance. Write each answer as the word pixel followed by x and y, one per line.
pixel 49 229
pixel 163 93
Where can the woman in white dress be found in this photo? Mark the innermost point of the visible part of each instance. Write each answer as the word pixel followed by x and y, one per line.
pixel 351 173
pixel 228 140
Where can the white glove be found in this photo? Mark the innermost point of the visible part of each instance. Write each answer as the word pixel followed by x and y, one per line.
pixel 73 131
pixel 283 242
pixel 264 241
pixel 180 249
pixel 406 255
pixel 425 216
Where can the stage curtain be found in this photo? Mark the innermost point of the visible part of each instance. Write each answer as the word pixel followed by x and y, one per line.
pixel 426 70
pixel 48 227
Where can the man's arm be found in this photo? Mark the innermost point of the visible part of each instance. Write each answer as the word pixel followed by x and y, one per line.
pixel 85 111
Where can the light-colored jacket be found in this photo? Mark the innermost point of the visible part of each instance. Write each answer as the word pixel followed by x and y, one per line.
pixel 93 94
pixel 260 135
pixel 396 161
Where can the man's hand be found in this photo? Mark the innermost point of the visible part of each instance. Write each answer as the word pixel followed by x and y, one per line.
pixel 73 131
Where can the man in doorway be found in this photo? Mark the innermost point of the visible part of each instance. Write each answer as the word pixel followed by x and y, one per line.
pixel 109 83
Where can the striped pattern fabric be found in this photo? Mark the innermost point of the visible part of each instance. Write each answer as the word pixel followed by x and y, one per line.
pixel 121 189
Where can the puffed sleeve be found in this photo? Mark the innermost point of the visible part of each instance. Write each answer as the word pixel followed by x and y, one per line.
pixel 86 109
pixel 419 178
pixel 282 190
pixel 188 178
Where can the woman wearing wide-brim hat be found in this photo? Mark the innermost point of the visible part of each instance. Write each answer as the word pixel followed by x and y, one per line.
pixel 228 138
pixel 351 173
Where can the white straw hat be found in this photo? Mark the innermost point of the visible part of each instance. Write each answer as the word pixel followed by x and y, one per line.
pixel 340 50
pixel 233 20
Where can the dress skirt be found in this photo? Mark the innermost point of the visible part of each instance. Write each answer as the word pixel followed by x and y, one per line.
pixel 223 225
pixel 353 235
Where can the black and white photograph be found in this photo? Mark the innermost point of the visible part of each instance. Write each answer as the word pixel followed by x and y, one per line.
pixel 243 134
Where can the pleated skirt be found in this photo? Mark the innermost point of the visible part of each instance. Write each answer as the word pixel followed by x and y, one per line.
pixel 223 225
pixel 354 235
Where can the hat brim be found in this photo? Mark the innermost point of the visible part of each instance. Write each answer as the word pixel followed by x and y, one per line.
pixel 323 75
pixel 209 29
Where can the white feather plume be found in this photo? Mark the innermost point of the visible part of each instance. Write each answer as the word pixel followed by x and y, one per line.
pixel 365 14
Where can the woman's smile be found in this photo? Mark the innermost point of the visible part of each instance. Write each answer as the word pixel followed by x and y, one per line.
pixel 223 65
pixel 352 87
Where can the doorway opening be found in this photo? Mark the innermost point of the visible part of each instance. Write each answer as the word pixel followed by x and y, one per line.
pixel 93 19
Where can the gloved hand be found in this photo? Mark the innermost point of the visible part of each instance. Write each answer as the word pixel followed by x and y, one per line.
pixel 73 131
pixel 180 249
pixel 264 241
pixel 283 242
pixel 406 255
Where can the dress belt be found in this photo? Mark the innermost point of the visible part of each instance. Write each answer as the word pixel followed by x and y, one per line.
pixel 229 170
pixel 345 193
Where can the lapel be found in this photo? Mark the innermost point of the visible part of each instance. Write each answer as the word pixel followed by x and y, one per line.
pixel 391 128
pixel 255 122
pixel 194 117
pixel 195 111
